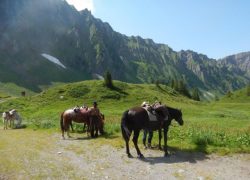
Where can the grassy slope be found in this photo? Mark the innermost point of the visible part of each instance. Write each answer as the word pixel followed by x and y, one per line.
pixel 215 127
pixel 10 89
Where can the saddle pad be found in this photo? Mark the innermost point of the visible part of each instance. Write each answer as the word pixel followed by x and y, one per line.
pixel 151 116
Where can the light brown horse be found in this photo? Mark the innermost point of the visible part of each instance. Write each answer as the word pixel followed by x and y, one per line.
pixel 11 116
pixel 80 115
pixel 100 126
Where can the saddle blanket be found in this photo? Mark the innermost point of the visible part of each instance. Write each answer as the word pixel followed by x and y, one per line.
pixel 151 116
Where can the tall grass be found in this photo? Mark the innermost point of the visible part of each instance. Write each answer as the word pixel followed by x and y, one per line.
pixel 222 126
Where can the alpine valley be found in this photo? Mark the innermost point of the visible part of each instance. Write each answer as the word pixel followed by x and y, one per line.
pixel 47 41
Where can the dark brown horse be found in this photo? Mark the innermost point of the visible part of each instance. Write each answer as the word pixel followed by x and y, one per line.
pixel 136 119
pixel 80 115
pixel 100 125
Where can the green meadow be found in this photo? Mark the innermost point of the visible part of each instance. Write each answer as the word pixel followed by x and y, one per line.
pixel 221 126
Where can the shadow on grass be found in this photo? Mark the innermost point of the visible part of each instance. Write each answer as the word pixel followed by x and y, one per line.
pixel 104 135
pixel 177 155
pixel 23 126
pixel 108 135
pixel 114 88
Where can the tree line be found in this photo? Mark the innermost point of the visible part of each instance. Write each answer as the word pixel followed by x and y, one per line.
pixel 177 85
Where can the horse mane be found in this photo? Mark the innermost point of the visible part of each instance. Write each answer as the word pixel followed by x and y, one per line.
pixel 11 112
pixel 174 109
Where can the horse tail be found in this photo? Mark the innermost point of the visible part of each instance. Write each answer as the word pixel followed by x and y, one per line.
pixel 61 122
pixel 124 127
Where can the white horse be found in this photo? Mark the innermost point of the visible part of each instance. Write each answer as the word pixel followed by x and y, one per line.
pixel 11 116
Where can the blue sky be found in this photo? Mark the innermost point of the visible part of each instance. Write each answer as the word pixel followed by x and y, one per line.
pixel 216 28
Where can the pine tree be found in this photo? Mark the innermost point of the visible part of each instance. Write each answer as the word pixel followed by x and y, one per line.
pixel 108 80
pixel 157 83
pixel 248 90
pixel 176 85
pixel 172 84
pixel 229 93
pixel 216 98
pixel 195 94
pixel 182 88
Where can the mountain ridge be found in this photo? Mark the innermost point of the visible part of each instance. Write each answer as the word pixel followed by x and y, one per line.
pixel 87 46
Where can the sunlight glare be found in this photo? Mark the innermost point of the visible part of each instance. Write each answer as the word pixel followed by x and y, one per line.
pixel 82 4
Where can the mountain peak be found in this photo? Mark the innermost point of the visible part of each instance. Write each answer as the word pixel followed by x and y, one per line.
pixel 87 45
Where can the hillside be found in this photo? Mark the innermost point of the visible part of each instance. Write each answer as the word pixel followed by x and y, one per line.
pixel 11 89
pixel 208 127
pixel 82 47
pixel 44 109
pixel 239 96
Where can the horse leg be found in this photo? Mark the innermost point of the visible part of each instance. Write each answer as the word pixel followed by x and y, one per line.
pixel 62 126
pixel 144 138
pixel 65 129
pixel 150 136
pixel 71 125
pixel 5 122
pixel 63 134
pixel 126 136
pixel 88 130
pixel 68 133
pixel 135 141
pixel 165 141
pixel 84 126
pixel 127 149
pixel 91 127
pixel 96 129
pixel 101 128
pixel 92 131
pixel 9 123
pixel 160 136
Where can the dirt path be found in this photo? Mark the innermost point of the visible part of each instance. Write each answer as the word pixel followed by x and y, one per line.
pixel 28 154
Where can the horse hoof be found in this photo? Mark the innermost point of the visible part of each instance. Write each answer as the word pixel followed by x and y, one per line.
pixel 166 154
pixel 140 156
pixel 130 156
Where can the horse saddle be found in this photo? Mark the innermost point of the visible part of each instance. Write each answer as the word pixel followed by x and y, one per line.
pixel 76 109
pixel 151 114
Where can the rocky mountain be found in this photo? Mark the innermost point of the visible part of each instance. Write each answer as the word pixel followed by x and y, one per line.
pixel 45 41
pixel 239 63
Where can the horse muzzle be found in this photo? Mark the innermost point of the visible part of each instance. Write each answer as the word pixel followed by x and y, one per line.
pixel 181 122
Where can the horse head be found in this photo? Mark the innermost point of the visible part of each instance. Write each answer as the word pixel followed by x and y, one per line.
pixel 178 117
pixel 172 113
pixel 102 116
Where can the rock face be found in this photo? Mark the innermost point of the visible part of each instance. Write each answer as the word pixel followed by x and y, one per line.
pixel 88 46
pixel 239 63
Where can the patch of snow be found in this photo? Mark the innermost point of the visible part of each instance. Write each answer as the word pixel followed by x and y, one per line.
pixel 98 76
pixel 53 59
pixel 208 94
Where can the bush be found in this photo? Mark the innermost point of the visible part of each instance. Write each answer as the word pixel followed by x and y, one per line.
pixel 248 90
pixel 108 80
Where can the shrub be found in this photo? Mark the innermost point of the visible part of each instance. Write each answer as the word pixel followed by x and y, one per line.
pixel 108 80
